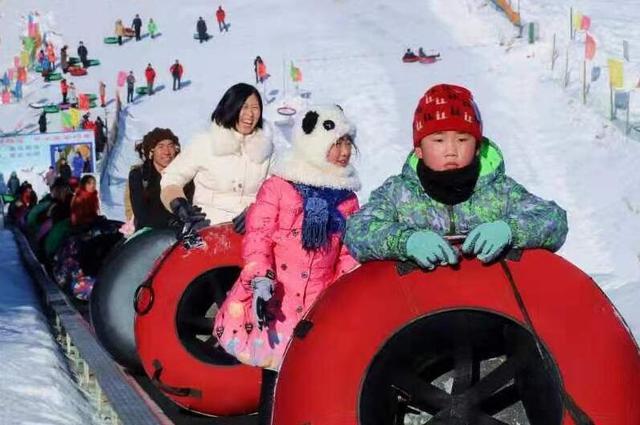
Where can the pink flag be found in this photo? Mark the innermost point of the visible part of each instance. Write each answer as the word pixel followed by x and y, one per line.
pixel 586 23
pixel 12 72
pixel 589 48
pixel 16 61
pixel 122 78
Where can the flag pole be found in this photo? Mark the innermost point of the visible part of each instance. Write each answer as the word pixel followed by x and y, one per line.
pixel 584 81
pixel 571 23
pixel 611 100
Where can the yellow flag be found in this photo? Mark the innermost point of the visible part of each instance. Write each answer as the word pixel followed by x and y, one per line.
pixel 616 75
pixel 577 20
pixel 75 117
pixel 24 58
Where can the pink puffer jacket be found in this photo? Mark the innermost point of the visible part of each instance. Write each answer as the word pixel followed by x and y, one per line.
pixel 273 241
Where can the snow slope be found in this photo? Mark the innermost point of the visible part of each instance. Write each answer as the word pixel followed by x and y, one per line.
pixel 349 53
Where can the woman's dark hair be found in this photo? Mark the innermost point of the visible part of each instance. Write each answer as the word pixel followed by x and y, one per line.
pixel 227 112
pixel 152 138
pixel 85 179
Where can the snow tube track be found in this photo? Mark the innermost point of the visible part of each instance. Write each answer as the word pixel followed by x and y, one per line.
pixel 174 323
pixel 458 345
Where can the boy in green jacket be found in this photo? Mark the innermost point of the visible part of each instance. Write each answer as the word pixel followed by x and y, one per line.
pixel 453 183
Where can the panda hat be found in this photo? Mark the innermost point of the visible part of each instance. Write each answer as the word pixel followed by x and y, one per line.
pixel 306 162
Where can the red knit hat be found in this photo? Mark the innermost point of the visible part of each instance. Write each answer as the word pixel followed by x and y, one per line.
pixel 446 107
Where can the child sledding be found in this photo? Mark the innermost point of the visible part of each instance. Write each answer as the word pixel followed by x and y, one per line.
pixel 422 57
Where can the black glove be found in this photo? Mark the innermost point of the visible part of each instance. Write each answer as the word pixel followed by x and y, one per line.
pixel 238 222
pixel 191 215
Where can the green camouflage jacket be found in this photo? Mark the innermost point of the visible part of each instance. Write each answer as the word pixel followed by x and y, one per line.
pixel 400 207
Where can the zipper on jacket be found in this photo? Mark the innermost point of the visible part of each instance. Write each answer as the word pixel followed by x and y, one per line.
pixel 452 223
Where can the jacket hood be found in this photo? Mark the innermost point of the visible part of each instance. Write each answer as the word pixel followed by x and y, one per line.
pixel 258 146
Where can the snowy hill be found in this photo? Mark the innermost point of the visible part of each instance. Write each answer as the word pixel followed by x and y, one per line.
pixel 349 53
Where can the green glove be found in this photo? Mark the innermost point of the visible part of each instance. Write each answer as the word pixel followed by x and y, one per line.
pixel 488 240
pixel 429 249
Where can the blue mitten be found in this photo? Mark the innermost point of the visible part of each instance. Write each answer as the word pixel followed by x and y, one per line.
pixel 263 288
pixel 488 240
pixel 429 249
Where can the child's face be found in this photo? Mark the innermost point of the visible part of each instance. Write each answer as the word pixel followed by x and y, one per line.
pixel 340 152
pixel 90 186
pixel 447 150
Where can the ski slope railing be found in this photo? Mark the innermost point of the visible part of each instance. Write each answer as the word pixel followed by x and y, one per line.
pixel 117 396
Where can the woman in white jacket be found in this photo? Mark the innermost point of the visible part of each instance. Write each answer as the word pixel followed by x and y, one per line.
pixel 227 163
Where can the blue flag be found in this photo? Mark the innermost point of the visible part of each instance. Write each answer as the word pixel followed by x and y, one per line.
pixel 595 73
pixel 622 100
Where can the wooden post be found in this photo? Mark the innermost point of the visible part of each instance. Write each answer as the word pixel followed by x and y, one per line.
pixel 566 68
pixel 626 126
pixel 611 101
pixel 553 52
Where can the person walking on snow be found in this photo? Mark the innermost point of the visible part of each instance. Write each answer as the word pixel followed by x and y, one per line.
pixel 201 28
pixel 82 54
pixel 176 72
pixel 137 26
pixel 64 59
pixel 18 90
pixel 220 16
pixel 453 183
pixel 131 81
pixel 119 31
pixel 150 76
pixel 64 89
pixel 102 92
pixel 152 27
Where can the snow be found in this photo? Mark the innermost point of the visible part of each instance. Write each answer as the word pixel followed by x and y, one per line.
pixel 349 53
pixel 35 385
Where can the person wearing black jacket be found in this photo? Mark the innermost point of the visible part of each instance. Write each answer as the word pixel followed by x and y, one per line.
pixel 42 122
pixel 201 28
pixel 158 148
pixel 137 25
pixel 82 54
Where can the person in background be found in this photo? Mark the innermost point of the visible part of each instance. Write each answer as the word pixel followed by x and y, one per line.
pixel 150 76
pixel 131 81
pixel 176 72
pixel 119 31
pixel 73 97
pixel 85 205
pixel 152 27
pixel 42 122
pixel 220 17
pixel 201 30
pixel 137 26
pixel 102 92
pixel 64 59
pixel 64 89
pixel 64 170
pixel 83 54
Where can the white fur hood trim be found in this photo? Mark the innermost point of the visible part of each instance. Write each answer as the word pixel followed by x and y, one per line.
pixel 294 167
pixel 258 146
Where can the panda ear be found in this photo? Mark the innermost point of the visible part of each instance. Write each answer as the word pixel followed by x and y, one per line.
pixel 309 122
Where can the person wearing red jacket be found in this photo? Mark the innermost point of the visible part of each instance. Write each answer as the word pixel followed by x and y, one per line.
pixel 176 72
pixel 64 88
pixel 150 75
pixel 220 16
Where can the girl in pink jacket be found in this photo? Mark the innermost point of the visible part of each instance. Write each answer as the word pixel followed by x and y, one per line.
pixel 293 248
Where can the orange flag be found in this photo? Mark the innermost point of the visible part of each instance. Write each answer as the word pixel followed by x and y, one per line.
pixel 589 48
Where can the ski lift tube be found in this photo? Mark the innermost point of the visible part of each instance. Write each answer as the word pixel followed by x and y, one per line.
pixel 173 326
pixel 533 341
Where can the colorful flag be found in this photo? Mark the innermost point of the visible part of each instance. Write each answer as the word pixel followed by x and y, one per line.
pixel 65 117
pixel 616 75
pixel 589 48
pixel 625 49
pixel 595 73
pixel 122 78
pixel 296 74
pixel 83 101
pixel 75 117
pixel 585 23
pixel 622 100
pixel 577 20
